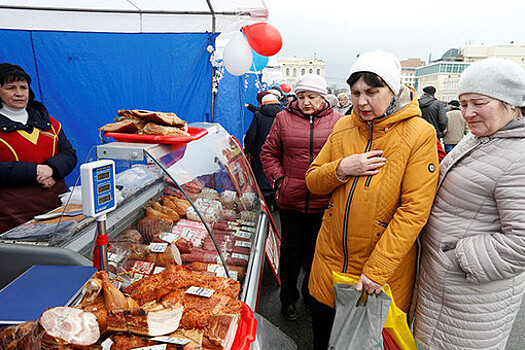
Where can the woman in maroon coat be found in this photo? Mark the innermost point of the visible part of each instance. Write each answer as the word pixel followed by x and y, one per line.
pixel 297 135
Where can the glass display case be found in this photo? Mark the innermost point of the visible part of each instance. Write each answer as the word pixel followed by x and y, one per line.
pixel 195 204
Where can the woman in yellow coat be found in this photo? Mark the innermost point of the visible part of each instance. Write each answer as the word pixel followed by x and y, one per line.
pixel 381 166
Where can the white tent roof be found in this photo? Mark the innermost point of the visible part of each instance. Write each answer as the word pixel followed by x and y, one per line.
pixel 131 16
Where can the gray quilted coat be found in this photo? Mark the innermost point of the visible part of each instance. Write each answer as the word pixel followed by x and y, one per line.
pixel 472 276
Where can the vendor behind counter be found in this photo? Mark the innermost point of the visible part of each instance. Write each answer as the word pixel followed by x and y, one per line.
pixel 35 154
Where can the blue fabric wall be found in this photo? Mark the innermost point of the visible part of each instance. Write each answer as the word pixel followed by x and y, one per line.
pixel 84 78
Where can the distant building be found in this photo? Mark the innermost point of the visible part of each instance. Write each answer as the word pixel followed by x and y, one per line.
pixel 408 71
pixel 516 53
pixel 444 73
pixel 292 68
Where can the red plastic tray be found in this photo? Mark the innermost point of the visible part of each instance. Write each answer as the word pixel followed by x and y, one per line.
pixel 195 134
pixel 246 330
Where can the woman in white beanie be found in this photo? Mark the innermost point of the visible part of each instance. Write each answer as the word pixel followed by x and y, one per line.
pixel 380 167
pixel 472 277
pixel 297 135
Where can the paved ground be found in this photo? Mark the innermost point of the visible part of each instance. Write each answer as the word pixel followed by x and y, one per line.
pixel 301 330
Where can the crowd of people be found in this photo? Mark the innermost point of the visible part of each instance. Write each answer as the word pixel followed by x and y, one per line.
pixel 359 183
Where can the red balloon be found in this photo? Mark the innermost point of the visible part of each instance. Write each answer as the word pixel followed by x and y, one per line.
pixel 263 38
pixel 286 88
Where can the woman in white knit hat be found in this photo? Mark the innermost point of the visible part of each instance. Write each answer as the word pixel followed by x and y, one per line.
pixel 296 137
pixel 380 167
pixel 472 277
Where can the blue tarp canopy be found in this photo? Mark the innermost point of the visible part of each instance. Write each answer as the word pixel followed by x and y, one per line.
pixel 83 79
pixel 88 59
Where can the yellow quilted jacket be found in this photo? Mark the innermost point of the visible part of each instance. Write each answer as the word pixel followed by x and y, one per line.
pixel 372 222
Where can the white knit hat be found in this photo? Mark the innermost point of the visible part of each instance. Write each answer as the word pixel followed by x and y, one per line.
pixel 501 79
pixel 276 93
pixel 270 98
pixel 311 82
pixel 382 63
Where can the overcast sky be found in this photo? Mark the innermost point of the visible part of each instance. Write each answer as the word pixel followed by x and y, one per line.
pixel 336 30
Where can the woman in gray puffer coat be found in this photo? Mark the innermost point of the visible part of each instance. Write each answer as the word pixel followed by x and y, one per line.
pixel 472 276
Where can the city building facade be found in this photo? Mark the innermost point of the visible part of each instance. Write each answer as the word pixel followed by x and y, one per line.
pixel 444 73
pixel 408 71
pixel 292 68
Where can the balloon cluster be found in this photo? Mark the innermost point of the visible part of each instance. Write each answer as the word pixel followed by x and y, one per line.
pixel 250 49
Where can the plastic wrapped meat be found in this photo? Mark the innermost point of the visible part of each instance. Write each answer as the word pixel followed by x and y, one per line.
pixel 209 213
pixel 150 226
pixel 41 232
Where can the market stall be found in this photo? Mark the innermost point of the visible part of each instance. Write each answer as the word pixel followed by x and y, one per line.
pixel 194 204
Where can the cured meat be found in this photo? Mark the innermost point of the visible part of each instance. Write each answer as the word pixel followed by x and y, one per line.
pixel 12 335
pixel 206 267
pixel 150 226
pixel 99 310
pixel 130 235
pixel 174 216
pixel 153 319
pixel 201 255
pixel 184 245
pixel 114 299
pixel 127 341
pixel 152 213
pixel 221 330
pixel 160 118
pixel 62 328
pixel 171 256
pixel 127 126
pixel 198 310
pixel 92 288
pixel 179 277
pixel 155 129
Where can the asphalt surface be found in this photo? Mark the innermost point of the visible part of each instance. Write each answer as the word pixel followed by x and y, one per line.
pixel 300 331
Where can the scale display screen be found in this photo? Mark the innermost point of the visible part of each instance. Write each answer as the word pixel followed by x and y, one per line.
pixel 103 176
pixel 104 188
pixel 98 187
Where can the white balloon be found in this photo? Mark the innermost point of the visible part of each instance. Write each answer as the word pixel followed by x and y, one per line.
pixel 237 55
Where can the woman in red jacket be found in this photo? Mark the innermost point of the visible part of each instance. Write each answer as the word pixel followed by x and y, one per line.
pixel 297 135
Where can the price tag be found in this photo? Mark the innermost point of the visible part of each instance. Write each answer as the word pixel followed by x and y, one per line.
pixel 247 223
pixel 158 269
pixel 153 347
pixel 240 256
pixel 169 237
pixel 201 292
pixel 248 229
pixel 243 244
pixel 158 247
pixel 219 271
pixel 115 257
pixel 171 340
pixel 242 234
pixel 106 344
pixel 190 234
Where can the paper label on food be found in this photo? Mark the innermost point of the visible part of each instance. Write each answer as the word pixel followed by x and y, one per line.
pixel 243 244
pixel 248 229
pixel 190 234
pixel 199 291
pixel 172 340
pixel 106 344
pixel 158 247
pixel 242 234
pixel 247 223
pixel 153 347
pixel 219 271
pixel 115 257
pixel 240 256
pixel 158 269
pixel 169 237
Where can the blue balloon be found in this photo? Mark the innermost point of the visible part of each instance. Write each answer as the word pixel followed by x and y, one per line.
pixel 259 62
